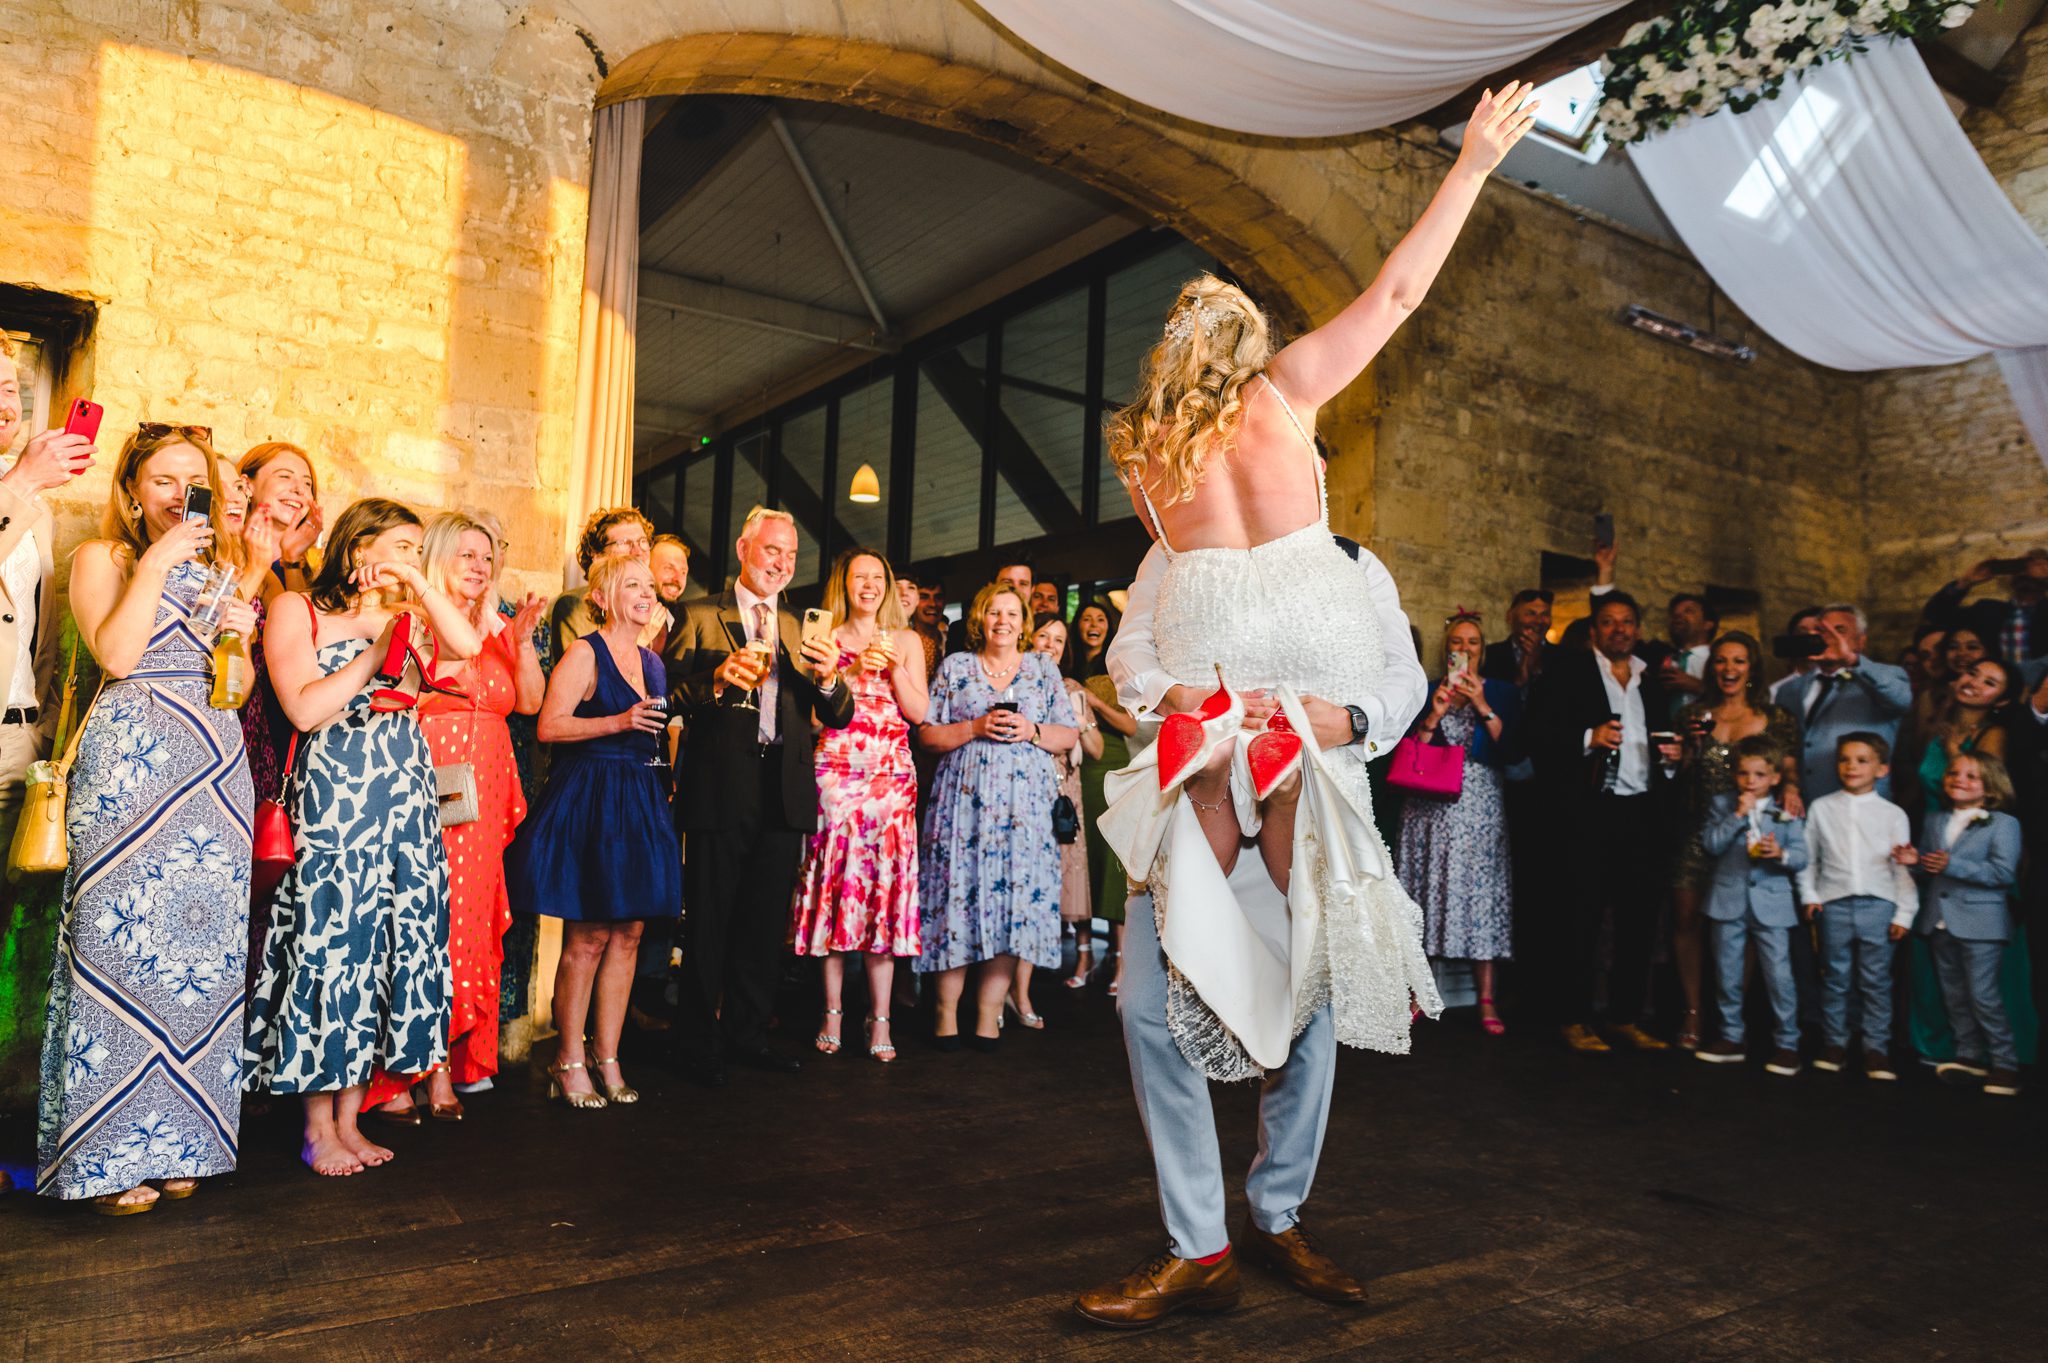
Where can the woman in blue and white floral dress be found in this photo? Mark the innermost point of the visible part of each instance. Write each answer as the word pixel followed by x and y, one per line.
pixel 355 972
pixel 989 883
pixel 142 1056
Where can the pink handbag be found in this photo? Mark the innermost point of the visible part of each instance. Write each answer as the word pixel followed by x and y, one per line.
pixel 1435 771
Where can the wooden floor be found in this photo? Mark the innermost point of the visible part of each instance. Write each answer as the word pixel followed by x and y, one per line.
pixel 1506 1199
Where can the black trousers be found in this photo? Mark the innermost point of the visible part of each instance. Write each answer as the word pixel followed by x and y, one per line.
pixel 737 885
pixel 1611 849
pixel 1541 929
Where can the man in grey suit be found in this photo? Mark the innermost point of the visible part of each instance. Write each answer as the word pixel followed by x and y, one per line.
pixel 1845 693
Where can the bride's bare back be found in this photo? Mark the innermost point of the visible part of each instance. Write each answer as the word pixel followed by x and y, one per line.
pixel 1260 489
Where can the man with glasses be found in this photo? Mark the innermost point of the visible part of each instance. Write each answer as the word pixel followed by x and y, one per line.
pixel 613 531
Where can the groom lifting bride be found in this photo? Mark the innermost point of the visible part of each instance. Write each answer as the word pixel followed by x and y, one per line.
pixel 1274 928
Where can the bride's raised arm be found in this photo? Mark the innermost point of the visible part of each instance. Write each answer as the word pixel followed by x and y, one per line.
pixel 1320 365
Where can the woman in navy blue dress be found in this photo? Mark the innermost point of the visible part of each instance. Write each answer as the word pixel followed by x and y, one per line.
pixel 600 850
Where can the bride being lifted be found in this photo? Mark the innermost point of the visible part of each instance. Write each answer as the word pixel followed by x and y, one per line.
pixel 1267 632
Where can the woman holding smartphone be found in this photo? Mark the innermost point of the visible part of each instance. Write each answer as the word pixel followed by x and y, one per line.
pixel 355 965
pixel 989 888
pixel 600 850
pixel 857 891
pixel 157 894
pixel 1453 855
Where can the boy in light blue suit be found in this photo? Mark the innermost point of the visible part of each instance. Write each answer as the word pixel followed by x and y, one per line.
pixel 1969 861
pixel 1757 849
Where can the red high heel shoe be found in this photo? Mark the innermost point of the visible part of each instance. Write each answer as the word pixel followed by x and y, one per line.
pixel 1273 756
pixel 1186 740
pixel 428 681
pixel 390 693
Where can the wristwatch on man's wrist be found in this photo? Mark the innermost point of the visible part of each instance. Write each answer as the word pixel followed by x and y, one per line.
pixel 1361 723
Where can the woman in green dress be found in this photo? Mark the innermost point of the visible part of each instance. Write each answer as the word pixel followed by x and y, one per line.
pixel 1094 628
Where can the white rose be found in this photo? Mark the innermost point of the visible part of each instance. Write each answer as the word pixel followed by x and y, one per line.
pixel 1957 15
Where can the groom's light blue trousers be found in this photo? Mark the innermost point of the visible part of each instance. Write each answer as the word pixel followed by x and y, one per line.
pixel 1173 1102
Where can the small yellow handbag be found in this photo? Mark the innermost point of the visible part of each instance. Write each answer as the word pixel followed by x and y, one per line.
pixel 39 840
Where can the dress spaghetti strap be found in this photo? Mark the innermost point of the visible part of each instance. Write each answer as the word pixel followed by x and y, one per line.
pixel 1315 460
pixel 1158 526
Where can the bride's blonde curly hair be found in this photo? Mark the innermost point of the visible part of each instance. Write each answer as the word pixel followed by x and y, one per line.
pixel 1191 397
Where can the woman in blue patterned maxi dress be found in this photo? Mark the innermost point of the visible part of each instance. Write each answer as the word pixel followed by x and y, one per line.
pixel 989 882
pixel 355 965
pixel 141 1073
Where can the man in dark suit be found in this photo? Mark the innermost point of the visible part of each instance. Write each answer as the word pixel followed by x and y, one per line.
pixel 2017 629
pixel 1590 726
pixel 746 795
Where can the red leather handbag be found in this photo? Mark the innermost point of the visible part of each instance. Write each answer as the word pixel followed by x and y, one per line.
pixel 270 842
pixel 1435 771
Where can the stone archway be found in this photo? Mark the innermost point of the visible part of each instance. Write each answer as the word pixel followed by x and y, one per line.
pixel 1294 275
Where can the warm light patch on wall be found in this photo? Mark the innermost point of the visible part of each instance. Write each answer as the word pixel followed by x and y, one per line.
pixel 278 263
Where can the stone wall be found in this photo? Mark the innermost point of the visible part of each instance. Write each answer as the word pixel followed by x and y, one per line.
pixel 362 228
pixel 1952 476
pixel 358 229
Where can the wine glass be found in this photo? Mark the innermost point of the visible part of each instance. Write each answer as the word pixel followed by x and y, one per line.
pixel 660 705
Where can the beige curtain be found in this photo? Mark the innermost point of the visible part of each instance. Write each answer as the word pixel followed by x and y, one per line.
pixel 602 444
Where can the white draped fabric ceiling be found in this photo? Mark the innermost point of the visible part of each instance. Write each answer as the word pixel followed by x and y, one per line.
pixel 1292 68
pixel 1854 221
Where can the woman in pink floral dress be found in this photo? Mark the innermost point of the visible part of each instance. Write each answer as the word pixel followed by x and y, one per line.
pixel 858 888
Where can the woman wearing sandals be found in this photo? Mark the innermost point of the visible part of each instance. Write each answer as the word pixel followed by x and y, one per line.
pixel 355 965
pixel 1050 639
pixel 1453 855
pixel 140 1071
pixel 857 891
pixel 466 731
pixel 600 849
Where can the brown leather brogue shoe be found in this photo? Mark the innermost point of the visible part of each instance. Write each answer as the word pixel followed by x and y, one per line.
pixel 1297 1258
pixel 1159 1287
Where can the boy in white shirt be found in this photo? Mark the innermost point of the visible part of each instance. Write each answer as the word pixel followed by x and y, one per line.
pixel 1856 884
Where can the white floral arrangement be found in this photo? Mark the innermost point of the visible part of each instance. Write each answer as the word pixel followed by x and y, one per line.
pixel 1709 55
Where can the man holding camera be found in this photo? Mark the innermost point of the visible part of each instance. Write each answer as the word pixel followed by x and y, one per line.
pixel 1845 693
pixel 2017 627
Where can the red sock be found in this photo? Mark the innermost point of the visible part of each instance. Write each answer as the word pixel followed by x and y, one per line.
pixel 1218 1257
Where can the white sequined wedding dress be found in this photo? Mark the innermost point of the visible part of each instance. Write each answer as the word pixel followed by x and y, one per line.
pixel 1247 967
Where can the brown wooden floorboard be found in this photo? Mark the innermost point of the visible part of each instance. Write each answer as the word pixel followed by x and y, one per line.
pixel 1506 1200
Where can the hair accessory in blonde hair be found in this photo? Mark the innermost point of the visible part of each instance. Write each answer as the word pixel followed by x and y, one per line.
pixel 1182 324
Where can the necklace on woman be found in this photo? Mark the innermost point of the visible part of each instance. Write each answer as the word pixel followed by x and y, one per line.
pixel 1008 674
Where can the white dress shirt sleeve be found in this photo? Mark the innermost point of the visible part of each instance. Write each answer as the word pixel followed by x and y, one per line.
pixel 1403 686
pixel 1133 657
pixel 1817 839
pixel 1905 894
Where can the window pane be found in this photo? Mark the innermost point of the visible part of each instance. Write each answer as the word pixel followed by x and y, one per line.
pixel 707 560
pixel 1138 297
pixel 1052 427
pixel 801 490
pixel 749 486
pixel 1013 521
pixel 1113 500
pixel 945 517
pixel 660 503
pixel 864 439
pixel 1049 344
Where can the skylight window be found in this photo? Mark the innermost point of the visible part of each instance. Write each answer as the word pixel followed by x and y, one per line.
pixel 1569 104
pixel 1800 137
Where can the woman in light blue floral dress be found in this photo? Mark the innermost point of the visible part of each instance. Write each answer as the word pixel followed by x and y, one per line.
pixel 989 884
pixel 355 975
pixel 142 1056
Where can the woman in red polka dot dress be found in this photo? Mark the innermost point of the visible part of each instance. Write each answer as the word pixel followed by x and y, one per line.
pixel 461 558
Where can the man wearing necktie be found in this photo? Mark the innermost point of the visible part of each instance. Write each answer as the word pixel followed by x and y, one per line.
pixel 1845 693
pixel 746 794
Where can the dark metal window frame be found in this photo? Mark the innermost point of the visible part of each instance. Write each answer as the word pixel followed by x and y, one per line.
pixel 709 563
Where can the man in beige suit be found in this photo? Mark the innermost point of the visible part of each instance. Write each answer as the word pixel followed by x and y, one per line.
pixel 29 610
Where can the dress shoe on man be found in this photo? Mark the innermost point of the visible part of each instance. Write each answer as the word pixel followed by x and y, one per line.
pixel 1159 1287
pixel 1635 1038
pixel 761 1058
pixel 1580 1037
pixel 1297 1258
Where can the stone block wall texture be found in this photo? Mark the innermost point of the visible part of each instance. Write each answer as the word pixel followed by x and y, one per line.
pixel 361 227
pixel 355 227
pixel 1952 477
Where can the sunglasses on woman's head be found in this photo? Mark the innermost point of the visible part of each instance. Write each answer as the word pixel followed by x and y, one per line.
pixel 156 430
